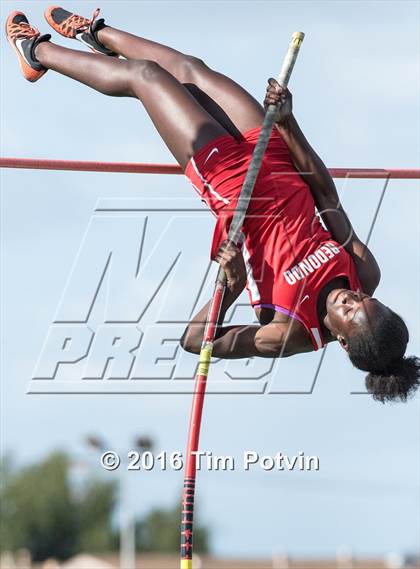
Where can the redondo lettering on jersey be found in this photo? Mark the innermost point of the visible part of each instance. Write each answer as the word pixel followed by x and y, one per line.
pixel 311 263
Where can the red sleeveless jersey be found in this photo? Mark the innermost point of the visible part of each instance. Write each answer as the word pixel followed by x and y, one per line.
pixel 289 256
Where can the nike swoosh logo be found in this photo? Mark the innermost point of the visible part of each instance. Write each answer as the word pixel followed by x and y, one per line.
pixel 79 37
pixel 19 43
pixel 211 153
pixel 306 297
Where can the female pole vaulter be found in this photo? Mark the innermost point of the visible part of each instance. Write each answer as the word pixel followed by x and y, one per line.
pixel 308 285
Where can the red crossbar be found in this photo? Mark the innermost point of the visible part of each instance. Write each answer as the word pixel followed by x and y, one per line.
pixel 139 168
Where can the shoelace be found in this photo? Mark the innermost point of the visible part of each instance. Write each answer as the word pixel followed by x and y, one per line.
pixel 79 23
pixel 26 29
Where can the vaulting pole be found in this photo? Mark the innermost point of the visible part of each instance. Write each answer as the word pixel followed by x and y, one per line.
pixel 214 311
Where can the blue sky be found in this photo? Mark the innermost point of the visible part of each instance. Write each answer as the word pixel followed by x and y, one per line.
pixel 355 91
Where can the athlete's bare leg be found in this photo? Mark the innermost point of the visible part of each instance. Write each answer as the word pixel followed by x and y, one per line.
pixel 219 94
pixel 182 122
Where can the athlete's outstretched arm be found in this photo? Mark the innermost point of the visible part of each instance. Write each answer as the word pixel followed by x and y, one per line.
pixel 314 172
pixel 238 341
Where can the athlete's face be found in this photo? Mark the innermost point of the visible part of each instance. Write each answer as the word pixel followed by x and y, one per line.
pixel 349 311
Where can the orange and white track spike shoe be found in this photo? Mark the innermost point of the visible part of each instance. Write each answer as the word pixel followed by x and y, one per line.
pixel 24 38
pixel 78 27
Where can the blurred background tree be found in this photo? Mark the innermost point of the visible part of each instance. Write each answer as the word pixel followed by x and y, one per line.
pixel 94 516
pixel 45 512
pixel 159 532
pixel 40 512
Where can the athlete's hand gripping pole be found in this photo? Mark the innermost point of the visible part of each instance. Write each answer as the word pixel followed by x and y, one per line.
pixel 214 311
